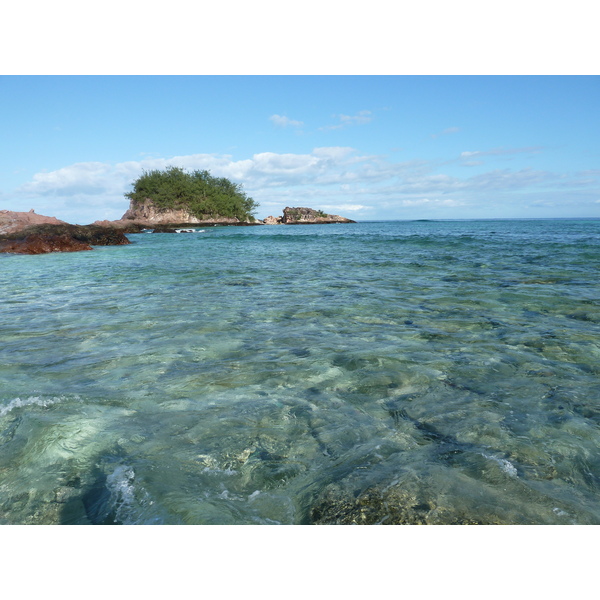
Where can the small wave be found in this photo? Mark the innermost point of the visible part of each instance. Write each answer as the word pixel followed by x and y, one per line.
pixel 129 501
pixel 31 401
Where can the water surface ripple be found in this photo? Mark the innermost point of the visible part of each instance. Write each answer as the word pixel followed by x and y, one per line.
pixel 389 372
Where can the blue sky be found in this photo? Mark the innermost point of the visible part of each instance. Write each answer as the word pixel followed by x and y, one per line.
pixel 366 147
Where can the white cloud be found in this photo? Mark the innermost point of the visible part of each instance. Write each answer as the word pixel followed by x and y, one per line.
pixel 502 151
pixel 444 202
pixel 331 208
pixel 337 179
pixel 360 118
pixel 282 121
pixel 89 178
pixel 507 179
pixel 334 152
pixel 270 162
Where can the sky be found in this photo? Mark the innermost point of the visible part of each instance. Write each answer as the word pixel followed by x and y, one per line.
pixel 368 147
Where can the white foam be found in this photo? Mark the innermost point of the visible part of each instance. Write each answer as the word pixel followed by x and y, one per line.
pixel 120 485
pixel 506 465
pixel 120 482
pixel 31 401
pixel 210 471
pixel 130 501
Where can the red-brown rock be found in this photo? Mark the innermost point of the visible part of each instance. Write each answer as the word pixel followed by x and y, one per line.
pixel 42 244
pixel 12 221
pixel 40 239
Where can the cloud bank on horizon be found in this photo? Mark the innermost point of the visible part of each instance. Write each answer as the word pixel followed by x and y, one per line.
pixel 369 168
pixel 335 179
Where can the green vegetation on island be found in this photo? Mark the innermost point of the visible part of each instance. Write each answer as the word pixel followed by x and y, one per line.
pixel 198 192
pixel 298 214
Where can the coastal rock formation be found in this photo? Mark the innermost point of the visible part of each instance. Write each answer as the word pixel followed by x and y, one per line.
pixel 302 215
pixel 12 221
pixel 42 244
pixel 30 233
pixel 147 214
pixel 41 239
pixel 121 225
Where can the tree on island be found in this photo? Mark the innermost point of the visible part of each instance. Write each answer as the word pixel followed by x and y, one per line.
pixel 198 192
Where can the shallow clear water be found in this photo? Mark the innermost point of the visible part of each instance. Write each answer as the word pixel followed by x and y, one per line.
pixel 418 372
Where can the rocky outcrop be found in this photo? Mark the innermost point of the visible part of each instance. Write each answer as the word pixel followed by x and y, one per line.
pixel 146 214
pixel 149 215
pixel 43 244
pixel 121 225
pixel 41 239
pixel 302 215
pixel 12 221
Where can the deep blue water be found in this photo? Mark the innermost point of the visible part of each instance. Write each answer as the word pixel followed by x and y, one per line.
pixel 430 372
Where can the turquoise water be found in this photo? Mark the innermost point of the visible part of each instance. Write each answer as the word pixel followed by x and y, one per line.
pixel 389 372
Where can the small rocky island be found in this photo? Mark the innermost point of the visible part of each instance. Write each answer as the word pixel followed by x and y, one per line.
pixel 147 215
pixel 305 216
pixel 162 201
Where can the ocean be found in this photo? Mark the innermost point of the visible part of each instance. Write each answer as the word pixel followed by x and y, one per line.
pixel 435 372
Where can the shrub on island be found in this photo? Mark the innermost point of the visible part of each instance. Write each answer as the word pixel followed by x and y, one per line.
pixel 199 193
